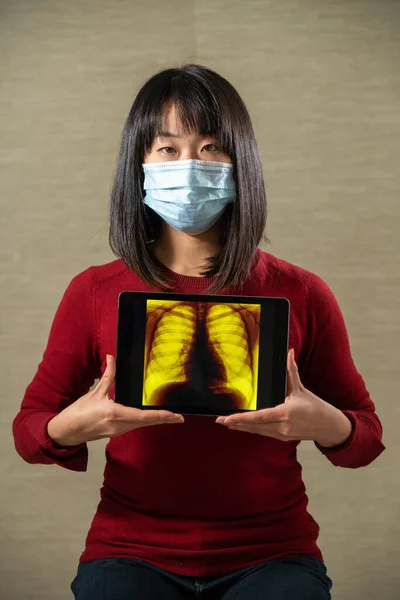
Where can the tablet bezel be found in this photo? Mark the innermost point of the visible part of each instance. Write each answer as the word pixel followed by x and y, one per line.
pixel 271 389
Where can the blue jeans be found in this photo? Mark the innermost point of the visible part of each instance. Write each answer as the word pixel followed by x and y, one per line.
pixel 302 578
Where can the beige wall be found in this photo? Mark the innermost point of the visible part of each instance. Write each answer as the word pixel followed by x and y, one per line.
pixel 322 81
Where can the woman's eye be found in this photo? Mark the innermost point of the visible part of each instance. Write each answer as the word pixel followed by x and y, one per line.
pixel 167 150
pixel 212 148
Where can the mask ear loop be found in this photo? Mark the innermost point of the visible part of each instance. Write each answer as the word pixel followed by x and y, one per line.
pixel 146 212
pixel 152 239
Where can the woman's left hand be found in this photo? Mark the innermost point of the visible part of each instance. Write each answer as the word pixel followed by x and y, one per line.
pixel 303 416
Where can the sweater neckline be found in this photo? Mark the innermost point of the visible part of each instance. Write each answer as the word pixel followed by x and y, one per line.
pixel 188 281
pixel 199 282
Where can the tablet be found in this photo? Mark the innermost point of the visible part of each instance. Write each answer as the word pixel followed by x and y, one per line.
pixel 201 354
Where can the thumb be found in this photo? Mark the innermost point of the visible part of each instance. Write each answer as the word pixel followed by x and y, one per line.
pixel 293 378
pixel 107 380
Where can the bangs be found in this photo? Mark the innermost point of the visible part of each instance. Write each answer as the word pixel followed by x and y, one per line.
pixel 199 109
pixel 197 112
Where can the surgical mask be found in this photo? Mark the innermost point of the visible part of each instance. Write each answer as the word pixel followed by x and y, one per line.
pixel 190 195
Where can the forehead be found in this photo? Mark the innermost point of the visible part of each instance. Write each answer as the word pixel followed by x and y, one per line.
pixel 171 122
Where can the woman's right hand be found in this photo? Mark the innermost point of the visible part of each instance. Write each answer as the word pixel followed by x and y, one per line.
pixel 96 416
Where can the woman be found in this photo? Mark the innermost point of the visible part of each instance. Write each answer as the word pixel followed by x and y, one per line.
pixel 204 507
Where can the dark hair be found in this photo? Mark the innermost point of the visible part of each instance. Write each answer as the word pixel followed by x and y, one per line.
pixel 208 104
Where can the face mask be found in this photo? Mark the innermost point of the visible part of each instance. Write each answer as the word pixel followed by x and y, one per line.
pixel 190 195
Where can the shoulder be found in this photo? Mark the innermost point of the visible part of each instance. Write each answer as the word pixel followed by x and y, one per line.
pixel 280 270
pixel 293 279
pixel 284 271
pixel 95 276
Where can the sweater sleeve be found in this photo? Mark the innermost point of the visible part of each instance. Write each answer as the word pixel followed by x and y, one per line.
pixel 68 369
pixel 328 370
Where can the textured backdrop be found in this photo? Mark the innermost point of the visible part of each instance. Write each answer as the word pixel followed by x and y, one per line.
pixel 322 81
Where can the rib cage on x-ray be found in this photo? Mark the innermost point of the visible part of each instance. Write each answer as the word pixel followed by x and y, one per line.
pixel 201 352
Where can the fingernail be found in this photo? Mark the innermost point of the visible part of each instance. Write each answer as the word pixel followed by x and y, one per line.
pixel 176 419
pixel 220 420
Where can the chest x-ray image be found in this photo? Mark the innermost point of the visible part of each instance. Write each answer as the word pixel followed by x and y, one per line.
pixel 200 354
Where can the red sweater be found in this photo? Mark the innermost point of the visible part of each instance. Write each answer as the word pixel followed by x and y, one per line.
pixel 197 499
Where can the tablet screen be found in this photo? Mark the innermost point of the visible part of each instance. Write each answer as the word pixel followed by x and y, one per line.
pixel 201 354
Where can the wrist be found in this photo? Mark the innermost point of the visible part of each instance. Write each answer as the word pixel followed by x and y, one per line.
pixel 334 427
pixel 60 437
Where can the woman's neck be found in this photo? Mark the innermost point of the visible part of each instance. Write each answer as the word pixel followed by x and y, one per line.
pixel 187 254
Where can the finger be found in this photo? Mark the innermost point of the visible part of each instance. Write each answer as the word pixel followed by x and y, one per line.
pixel 293 378
pixel 108 378
pixel 276 414
pixel 129 414
pixel 160 416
